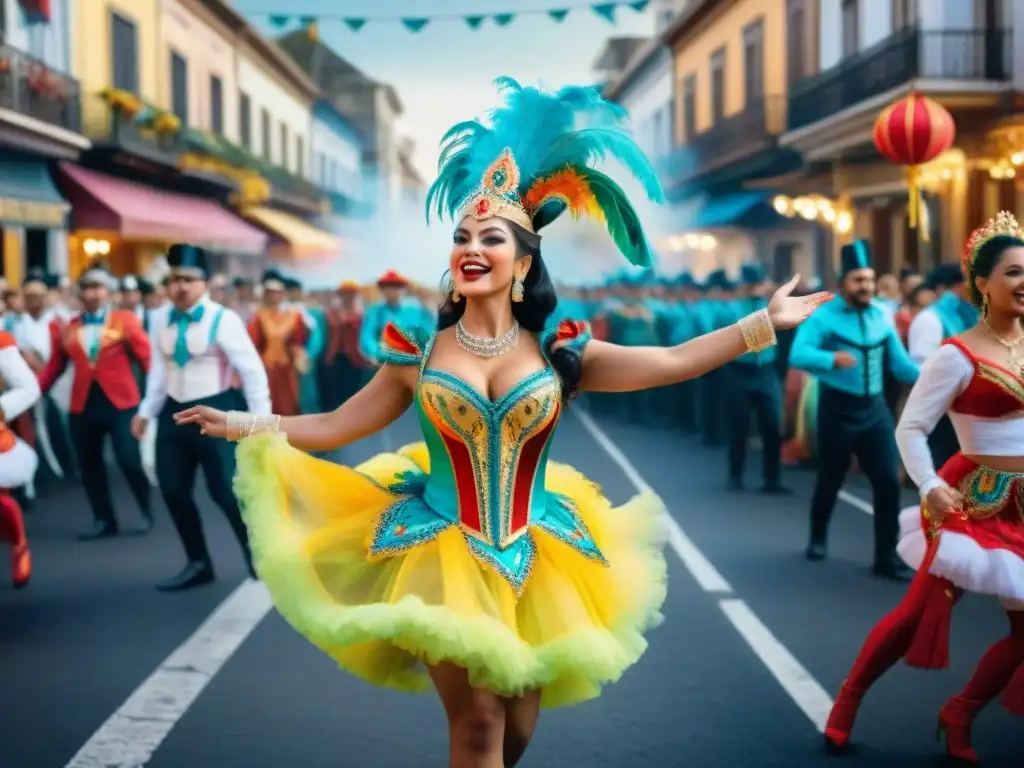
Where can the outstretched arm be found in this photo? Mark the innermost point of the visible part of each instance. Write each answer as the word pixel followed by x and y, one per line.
pixel 613 368
pixel 370 410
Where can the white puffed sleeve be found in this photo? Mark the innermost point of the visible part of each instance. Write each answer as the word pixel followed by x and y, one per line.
pixel 22 386
pixel 943 377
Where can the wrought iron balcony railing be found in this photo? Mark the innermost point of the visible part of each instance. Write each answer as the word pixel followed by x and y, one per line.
pixel 732 138
pixel 30 87
pixel 911 54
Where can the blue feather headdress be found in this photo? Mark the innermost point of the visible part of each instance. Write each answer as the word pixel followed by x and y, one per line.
pixel 533 161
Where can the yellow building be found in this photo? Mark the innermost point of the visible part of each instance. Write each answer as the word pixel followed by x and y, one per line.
pixel 113 49
pixel 731 79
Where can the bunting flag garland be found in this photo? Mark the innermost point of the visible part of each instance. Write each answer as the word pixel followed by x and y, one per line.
pixel 474 21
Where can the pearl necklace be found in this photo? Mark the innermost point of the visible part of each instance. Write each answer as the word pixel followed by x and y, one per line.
pixel 482 346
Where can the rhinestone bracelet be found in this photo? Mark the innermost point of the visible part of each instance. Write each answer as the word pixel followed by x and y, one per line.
pixel 758 331
pixel 242 425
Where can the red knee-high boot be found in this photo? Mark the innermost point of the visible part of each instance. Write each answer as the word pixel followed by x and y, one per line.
pixel 991 676
pixel 886 644
pixel 12 529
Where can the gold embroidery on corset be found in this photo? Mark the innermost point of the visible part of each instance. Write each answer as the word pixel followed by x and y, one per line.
pixel 277 328
pixel 1005 380
pixel 457 417
pixel 533 412
pixel 987 492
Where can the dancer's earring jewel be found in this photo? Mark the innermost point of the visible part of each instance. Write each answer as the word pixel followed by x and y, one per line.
pixel 456 296
pixel 984 305
pixel 518 290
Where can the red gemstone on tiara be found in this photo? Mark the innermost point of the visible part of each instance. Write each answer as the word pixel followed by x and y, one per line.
pixel 482 207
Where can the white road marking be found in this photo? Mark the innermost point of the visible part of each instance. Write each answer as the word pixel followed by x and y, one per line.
pixel 857 501
pixel 135 731
pixel 795 680
pixel 696 563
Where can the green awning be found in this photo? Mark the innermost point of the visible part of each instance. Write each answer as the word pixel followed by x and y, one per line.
pixel 28 196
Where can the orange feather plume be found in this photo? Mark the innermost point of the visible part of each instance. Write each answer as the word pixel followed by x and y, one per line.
pixel 569 186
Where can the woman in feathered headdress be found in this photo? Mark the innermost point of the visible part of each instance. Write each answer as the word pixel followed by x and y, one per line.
pixel 968 533
pixel 471 562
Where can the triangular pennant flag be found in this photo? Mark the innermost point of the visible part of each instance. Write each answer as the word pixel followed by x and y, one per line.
pixel 559 14
pixel 355 24
pixel 503 19
pixel 308 20
pixel 415 25
pixel 280 21
pixel 474 22
pixel 640 6
pixel 605 11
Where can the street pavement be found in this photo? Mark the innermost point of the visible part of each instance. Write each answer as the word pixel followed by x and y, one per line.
pixel 754 643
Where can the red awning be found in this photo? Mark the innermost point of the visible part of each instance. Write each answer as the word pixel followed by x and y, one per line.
pixel 141 212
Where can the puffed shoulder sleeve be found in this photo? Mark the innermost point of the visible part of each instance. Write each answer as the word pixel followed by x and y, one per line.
pixel 402 347
pixel 574 334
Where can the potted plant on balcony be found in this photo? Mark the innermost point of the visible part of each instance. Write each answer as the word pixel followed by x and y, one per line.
pixel 122 103
pixel 167 123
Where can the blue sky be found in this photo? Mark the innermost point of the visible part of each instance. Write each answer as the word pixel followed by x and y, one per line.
pixel 444 73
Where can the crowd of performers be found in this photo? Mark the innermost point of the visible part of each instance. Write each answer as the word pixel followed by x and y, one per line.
pixel 119 358
pixel 97 367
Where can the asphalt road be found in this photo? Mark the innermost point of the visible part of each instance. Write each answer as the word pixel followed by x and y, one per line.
pixel 755 641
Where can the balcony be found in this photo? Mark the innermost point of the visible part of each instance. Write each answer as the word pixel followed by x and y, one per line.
pixel 31 88
pixel 140 135
pixel 966 56
pixel 730 141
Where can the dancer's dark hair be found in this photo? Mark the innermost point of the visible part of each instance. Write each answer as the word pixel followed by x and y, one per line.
pixel 987 259
pixel 533 312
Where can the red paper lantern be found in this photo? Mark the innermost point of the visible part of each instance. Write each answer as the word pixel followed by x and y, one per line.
pixel 913 131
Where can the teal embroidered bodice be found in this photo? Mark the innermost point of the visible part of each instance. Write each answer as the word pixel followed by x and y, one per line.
pixel 488 461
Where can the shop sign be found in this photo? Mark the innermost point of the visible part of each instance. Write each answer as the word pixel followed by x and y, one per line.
pixel 32 214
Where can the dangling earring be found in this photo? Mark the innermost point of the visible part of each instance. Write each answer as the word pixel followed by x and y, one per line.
pixel 984 306
pixel 518 289
pixel 455 295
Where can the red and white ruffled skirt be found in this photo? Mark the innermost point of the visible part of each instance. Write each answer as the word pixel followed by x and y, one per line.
pixel 982 549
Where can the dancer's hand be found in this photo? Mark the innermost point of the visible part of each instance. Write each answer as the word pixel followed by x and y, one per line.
pixel 943 501
pixel 139 424
pixel 211 421
pixel 788 311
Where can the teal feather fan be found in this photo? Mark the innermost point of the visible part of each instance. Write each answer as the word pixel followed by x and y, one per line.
pixel 554 140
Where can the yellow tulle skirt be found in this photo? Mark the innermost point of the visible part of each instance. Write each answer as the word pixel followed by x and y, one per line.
pixel 577 625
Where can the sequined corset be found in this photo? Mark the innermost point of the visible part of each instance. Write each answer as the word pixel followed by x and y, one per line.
pixel 487 466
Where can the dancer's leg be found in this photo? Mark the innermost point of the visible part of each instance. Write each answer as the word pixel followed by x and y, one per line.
pixel 476 719
pixel 521 715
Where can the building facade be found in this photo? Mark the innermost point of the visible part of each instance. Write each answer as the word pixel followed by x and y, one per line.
pixel 859 56
pixel 373 107
pixel 40 125
pixel 198 73
pixel 730 102
pixel 337 157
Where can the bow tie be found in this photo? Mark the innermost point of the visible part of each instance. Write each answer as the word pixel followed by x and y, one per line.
pixel 192 316
pixel 93 318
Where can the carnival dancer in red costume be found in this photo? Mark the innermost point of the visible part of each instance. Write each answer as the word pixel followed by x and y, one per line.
pixel 343 365
pixel 18 461
pixel 280 336
pixel 968 534
pixel 104 344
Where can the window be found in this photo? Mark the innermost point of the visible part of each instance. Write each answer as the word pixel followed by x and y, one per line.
pixel 179 87
pixel 265 146
pixel 245 119
pixel 689 107
pixel 284 146
pixel 796 63
pixel 300 151
pixel 904 14
pixel 216 105
pixel 322 169
pixel 124 43
pixel 718 85
pixel 850 28
pixel 753 62
pixel 656 134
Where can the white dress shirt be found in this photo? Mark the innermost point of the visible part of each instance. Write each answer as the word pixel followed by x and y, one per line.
pixel 925 335
pixel 213 355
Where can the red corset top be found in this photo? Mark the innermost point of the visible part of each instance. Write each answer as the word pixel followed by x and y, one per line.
pixel 993 391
